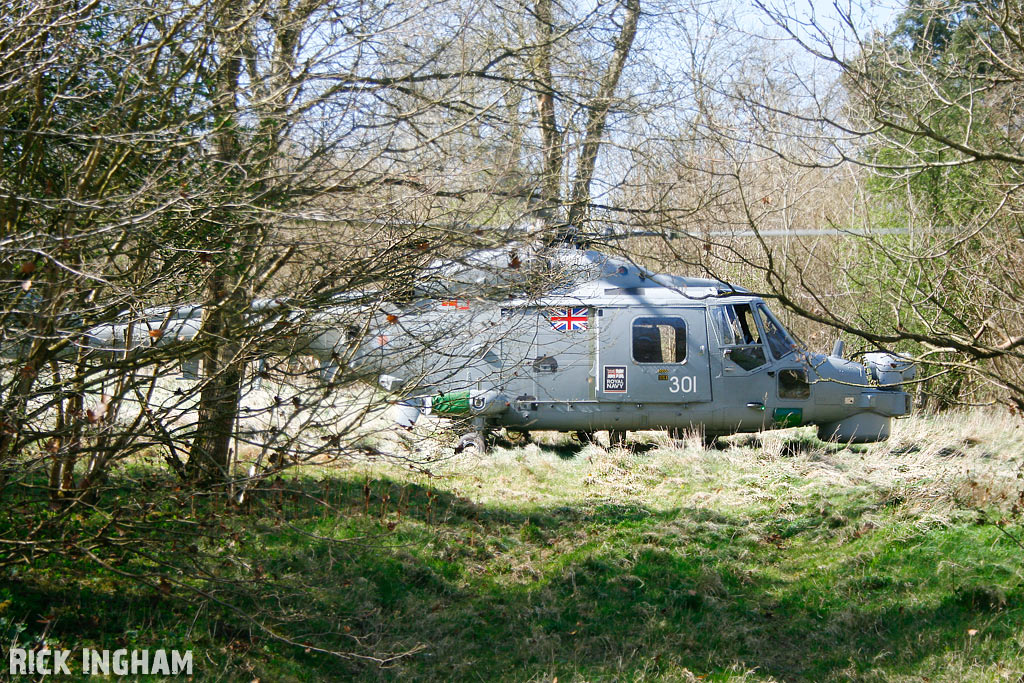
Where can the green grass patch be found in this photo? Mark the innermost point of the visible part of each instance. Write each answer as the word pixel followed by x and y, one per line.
pixel 769 559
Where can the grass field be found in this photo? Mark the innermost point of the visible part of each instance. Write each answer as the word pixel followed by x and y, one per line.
pixel 769 557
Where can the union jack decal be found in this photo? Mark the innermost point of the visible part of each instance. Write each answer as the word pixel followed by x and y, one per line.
pixel 455 305
pixel 568 319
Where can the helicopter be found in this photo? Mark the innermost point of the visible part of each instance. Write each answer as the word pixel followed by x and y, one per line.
pixel 610 346
pixel 562 337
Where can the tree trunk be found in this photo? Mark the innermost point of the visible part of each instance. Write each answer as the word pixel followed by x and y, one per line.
pixel 551 137
pixel 226 301
pixel 210 457
pixel 599 107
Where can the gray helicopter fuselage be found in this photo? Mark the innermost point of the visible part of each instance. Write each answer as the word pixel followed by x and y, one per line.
pixel 620 349
pixel 602 345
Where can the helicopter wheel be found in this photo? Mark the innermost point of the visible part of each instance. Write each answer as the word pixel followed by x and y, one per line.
pixel 474 442
pixel 675 433
pixel 617 438
pixel 517 437
pixel 584 437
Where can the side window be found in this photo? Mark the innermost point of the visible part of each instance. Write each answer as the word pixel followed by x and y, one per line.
pixel 747 357
pixel 793 384
pixel 659 340
pixel 735 325
pixel 779 340
pixel 748 328
pixel 738 334
pixel 721 320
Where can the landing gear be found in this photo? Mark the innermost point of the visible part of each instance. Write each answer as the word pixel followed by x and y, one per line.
pixel 517 437
pixel 617 438
pixel 584 437
pixel 473 442
pixel 476 439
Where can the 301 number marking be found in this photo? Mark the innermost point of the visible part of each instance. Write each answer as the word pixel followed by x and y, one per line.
pixel 682 385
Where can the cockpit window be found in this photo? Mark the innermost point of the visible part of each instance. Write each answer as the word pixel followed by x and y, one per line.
pixel 735 325
pixel 659 340
pixel 779 340
pixel 721 320
pixel 738 335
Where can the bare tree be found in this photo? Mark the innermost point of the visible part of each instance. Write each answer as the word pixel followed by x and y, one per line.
pixel 178 162
pixel 931 113
pixel 227 182
pixel 866 180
